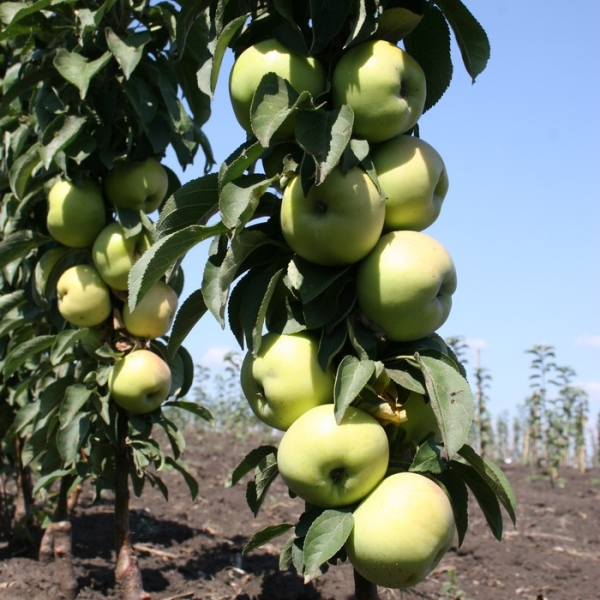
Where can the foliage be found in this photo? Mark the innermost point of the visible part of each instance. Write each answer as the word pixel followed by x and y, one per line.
pixel 252 280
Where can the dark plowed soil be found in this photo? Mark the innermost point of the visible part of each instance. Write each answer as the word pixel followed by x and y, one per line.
pixel 192 550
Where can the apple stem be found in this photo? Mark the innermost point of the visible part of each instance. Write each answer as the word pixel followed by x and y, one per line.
pixel 363 588
pixel 127 572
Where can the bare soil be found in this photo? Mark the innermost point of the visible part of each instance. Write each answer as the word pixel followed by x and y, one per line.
pixel 192 549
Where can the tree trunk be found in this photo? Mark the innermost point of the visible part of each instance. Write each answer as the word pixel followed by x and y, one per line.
pixel 127 572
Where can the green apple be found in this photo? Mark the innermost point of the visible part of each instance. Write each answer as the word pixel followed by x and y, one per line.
pixel 285 379
pixel 329 464
pixel 270 56
pixel 413 176
pixel 338 222
pixel 83 298
pixel 401 532
pixel 138 186
pixel 76 213
pixel 140 381
pixel 154 313
pixel 384 86
pixel 114 254
pixel 421 420
pixel 405 285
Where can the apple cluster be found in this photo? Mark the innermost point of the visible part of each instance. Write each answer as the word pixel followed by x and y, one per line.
pixel 94 289
pixel 403 522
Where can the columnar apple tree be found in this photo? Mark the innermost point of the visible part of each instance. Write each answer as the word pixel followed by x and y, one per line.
pixel 319 266
pixel 93 94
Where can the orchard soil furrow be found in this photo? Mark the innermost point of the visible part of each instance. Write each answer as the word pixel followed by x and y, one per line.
pixel 192 550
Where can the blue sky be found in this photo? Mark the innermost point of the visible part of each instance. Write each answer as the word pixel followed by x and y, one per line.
pixel 522 216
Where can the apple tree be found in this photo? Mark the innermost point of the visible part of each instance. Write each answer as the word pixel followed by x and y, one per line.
pixel 318 234
pixel 93 95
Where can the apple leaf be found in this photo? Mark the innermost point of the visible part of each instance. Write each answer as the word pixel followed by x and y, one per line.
pixel 351 378
pixel 451 399
pixel 265 535
pixel 78 70
pixel 23 168
pixel 188 477
pixel 163 254
pixel 194 203
pixel 394 24
pixel 459 497
pixel 405 378
pixel 429 44
pixel 250 462
pixel 64 343
pixel 331 342
pixel 188 315
pixel 24 351
pixel 311 280
pixel 47 480
pixel 327 19
pixel 324 135
pixel 240 161
pixel 70 437
pixel 326 536
pixel 362 24
pixel 128 53
pixel 240 197
pixel 192 407
pixel 427 459
pixel 60 137
pixel 332 306
pixel 265 474
pixel 471 38
pixel 76 396
pixel 11 301
pixel 494 477
pixel 485 496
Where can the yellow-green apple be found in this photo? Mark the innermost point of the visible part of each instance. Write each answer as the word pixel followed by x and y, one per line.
pixel 405 285
pixel 154 313
pixel 402 530
pixel 76 213
pixel 421 420
pixel 140 381
pixel 285 379
pixel 329 464
pixel 138 186
pixel 114 254
pixel 338 222
pixel 83 298
pixel 303 73
pixel 385 87
pixel 413 176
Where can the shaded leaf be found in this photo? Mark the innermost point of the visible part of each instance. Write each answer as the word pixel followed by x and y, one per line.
pixel 76 69
pixel 351 377
pixel 128 53
pixel 23 352
pixel 188 315
pixel 265 535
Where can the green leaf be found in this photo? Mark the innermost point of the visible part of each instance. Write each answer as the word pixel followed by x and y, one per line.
pixel 273 102
pixel 240 197
pixel 265 535
pixel 250 462
pixel 163 254
pixel 459 497
pixel 65 341
pixel 407 380
pixel 352 376
pixel 256 491
pixel 429 44
pixel 451 400
pixel 69 438
pixel 75 398
pixel 472 40
pixel 485 496
pixel 76 69
pixel 325 135
pixel 326 536
pixel 394 24
pixel 494 477
pixel 69 130
pixel 10 301
pixel 240 161
pixel 191 407
pixel 427 459
pixel 312 280
pixel 188 315
pixel 48 480
pixel 187 372
pixel 128 53
pixel 22 170
pixel 327 20
pixel 188 477
pixel 194 203
pixel 23 352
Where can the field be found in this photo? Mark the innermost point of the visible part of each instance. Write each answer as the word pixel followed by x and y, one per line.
pixel 192 550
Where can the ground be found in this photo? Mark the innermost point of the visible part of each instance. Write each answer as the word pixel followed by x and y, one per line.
pixel 191 550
